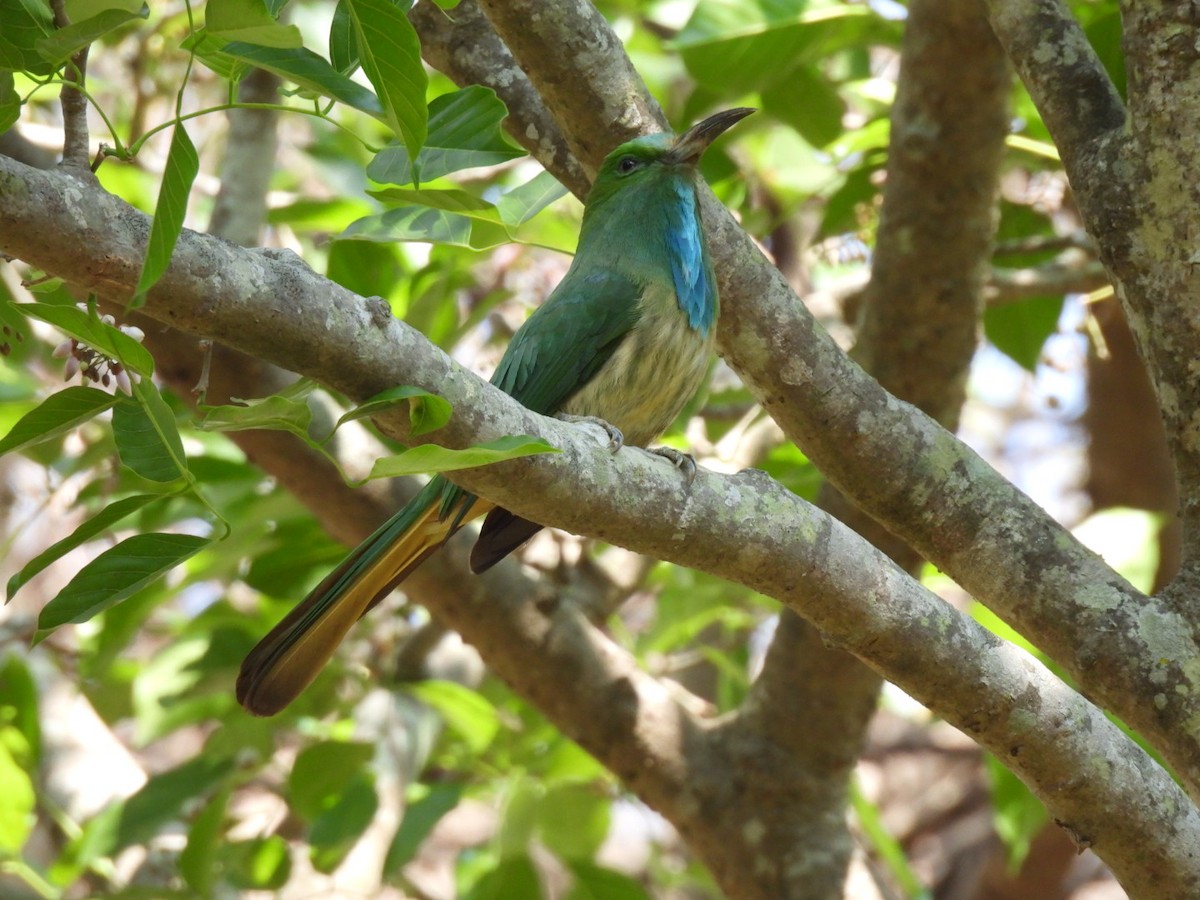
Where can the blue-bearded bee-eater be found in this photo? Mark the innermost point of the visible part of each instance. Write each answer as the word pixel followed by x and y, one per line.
pixel 625 338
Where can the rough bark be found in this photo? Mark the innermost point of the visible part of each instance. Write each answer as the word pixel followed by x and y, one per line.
pixel 743 527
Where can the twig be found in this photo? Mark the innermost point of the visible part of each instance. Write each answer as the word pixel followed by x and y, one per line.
pixel 74 103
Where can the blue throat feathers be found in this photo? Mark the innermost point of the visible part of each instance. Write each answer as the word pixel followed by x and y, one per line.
pixel 689 264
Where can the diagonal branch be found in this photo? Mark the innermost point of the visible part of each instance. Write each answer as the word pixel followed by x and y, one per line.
pixel 270 305
pixel 1138 657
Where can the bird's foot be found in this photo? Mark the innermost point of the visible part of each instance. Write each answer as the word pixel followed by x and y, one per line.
pixel 616 440
pixel 684 462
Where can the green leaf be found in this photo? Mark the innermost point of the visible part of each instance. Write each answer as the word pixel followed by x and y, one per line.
pixel 336 830
pixel 22 25
pixel 518 206
pixel 390 53
pixel 420 816
pixel 163 798
pixel 56 415
pixel 250 21
pixel 735 47
pixel 468 713
pixel 1017 814
pixel 147 438
pixel 464 132
pixel 309 71
pixel 10 102
pixel 427 459
pixel 323 772
pixel 261 864
pixel 426 412
pixel 818 119
pixel 16 787
pixel 343 44
pixel 884 844
pixel 93 526
pixel 1019 330
pixel 117 574
pixel 198 859
pixel 593 882
pixel 182 166
pixel 573 820
pixel 19 695
pixel 513 876
pixel 87 328
pixel 286 411
pixel 61 44
pixel 420 223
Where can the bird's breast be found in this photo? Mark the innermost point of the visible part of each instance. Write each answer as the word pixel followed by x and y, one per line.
pixel 651 375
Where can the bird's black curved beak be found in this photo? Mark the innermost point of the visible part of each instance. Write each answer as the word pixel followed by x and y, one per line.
pixel 690 145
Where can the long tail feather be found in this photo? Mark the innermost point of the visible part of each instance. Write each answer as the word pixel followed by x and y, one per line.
pixel 286 661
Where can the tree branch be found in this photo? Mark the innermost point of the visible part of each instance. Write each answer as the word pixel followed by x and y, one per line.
pixel 467 48
pixel 587 70
pixel 270 305
pixel 74 103
pixel 914 477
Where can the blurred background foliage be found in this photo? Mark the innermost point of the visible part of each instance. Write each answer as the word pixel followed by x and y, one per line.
pixel 126 767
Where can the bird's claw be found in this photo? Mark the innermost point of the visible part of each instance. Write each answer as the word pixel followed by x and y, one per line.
pixel 616 440
pixel 684 462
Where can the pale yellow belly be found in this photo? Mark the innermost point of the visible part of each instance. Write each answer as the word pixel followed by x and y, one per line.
pixel 652 375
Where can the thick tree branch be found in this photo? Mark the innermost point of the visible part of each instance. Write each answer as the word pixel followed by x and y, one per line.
pixel 935 233
pixel 464 46
pixel 925 297
pixel 272 306
pixel 920 482
pixel 1138 186
pixel 587 70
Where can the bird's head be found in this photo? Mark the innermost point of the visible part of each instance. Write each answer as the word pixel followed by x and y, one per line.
pixel 638 160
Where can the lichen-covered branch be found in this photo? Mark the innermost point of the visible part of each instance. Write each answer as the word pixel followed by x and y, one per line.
pixel 274 307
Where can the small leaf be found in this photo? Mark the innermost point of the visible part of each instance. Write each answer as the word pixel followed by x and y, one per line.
pixel 16 787
pixel 309 71
pixel 21 26
pixel 88 329
pixel 593 882
pixel 522 203
pixel 513 876
pixel 147 438
pixel 343 45
pixel 1019 330
pixel 182 166
pixel 468 713
pixel 60 45
pixel 117 574
pixel 276 412
pixel 197 860
pixel 336 830
pixel 430 458
pixel 10 102
pixel 390 53
pixel 250 21
pixel 93 526
pixel 420 816
pixel 427 412
pixel 261 864
pixel 323 772
pixel 573 820
pixel 57 414
pixel 464 132
pixel 163 797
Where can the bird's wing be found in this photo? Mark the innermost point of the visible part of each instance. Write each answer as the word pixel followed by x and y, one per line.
pixel 565 342
pixel 555 353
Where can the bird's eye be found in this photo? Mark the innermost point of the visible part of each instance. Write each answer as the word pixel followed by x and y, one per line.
pixel 628 164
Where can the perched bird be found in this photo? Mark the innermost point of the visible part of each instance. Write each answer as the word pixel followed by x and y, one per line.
pixel 624 340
